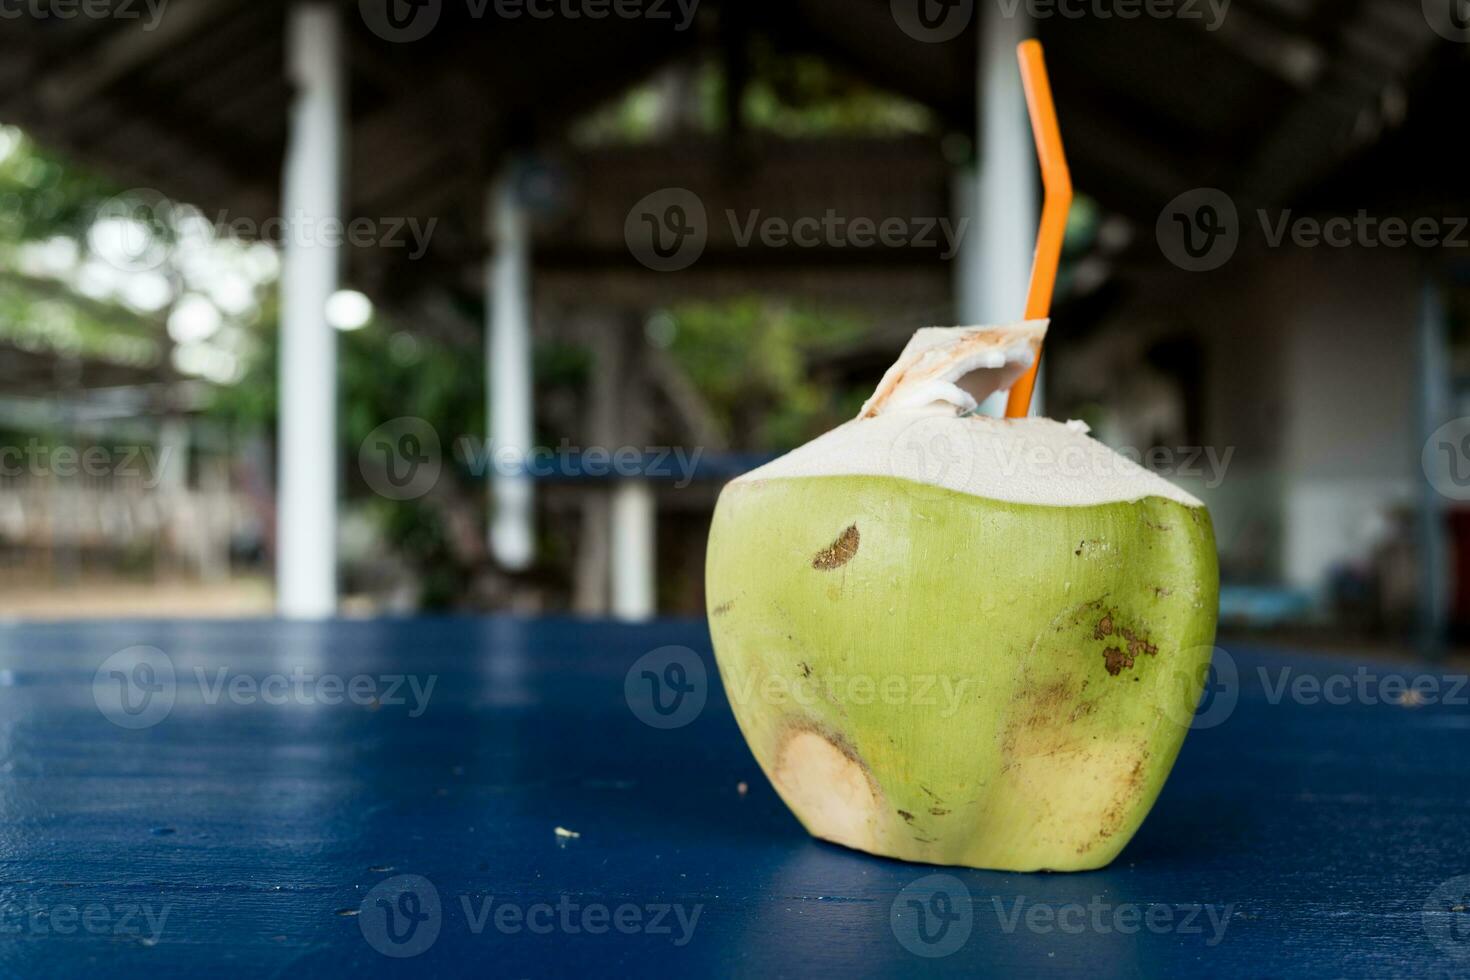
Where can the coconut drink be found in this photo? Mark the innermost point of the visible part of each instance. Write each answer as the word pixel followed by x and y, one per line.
pixel 963 640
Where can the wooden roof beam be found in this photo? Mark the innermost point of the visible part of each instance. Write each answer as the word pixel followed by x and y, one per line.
pixel 128 49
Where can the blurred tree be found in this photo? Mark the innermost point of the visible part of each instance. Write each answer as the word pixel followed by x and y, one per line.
pixel 47 303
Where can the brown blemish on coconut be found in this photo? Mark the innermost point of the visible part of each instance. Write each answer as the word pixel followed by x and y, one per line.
pixel 1126 644
pixel 840 552
pixel 938 811
pixel 1035 719
pixel 805 668
pixel 722 608
pixel 1138 644
pixel 1116 661
pixel 907 816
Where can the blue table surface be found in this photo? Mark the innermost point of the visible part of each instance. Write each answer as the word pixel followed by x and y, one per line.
pixel 260 828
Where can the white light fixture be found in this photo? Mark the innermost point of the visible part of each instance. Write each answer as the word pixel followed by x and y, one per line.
pixel 193 318
pixel 347 309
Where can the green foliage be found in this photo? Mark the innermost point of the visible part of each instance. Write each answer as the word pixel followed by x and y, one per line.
pixel 790 95
pixel 384 373
pixel 749 358
pixel 802 95
pixel 37 319
pixel 44 200
pixel 42 196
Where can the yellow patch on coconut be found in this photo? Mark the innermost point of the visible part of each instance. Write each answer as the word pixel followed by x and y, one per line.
pixel 1077 795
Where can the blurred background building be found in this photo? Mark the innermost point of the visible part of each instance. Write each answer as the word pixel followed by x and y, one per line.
pixel 689 236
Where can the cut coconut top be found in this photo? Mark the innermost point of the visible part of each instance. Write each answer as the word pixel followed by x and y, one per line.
pixel 959 366
pixel 915 427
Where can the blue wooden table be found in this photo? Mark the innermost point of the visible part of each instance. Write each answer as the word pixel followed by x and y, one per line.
pixel 182 799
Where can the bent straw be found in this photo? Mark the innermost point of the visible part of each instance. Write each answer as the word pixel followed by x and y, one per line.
pixel 1056 202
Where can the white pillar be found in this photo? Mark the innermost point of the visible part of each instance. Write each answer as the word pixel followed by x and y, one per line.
pixel 306 539
pixel 183 516
pixel 1435 408
pixel 993 268
pixel 174 443
pixel 634 515
pixel 508 374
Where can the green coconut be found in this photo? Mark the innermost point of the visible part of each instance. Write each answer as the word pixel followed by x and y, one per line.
pixel 962 640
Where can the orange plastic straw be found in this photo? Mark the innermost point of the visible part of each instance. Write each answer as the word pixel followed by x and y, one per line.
pixel 1056 202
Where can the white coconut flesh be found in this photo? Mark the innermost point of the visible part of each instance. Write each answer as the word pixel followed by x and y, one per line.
pixel 918 427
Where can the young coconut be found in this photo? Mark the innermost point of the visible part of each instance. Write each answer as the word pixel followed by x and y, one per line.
pixel 958 639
